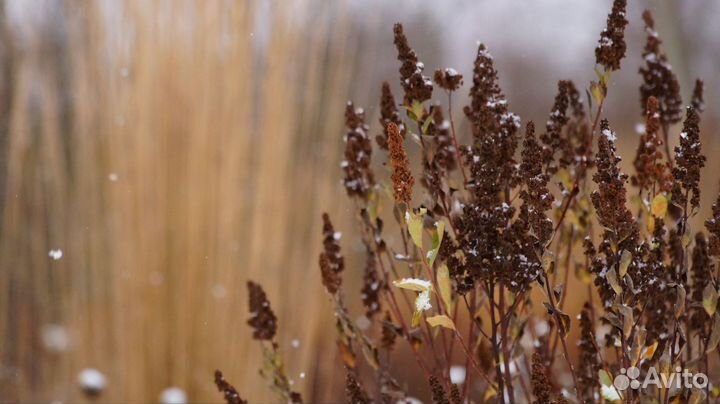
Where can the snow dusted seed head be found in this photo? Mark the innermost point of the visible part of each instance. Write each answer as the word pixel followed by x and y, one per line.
pixel 417 87
pixel 359 178
pixel 689 160
pixel 331 261
pixel 713 227
pixel 173 395
pixel 659 79
pixel 536 196
pixel 702 270
pixel 354 391
pixel 388 113
pixel 650 169
pixel 697 101
pixel 448 79
pixel 402 178
pixel 92 382
pixel 610 198
pixel 262 319
pixel 611 47
pixel 372 285
pixel 229 393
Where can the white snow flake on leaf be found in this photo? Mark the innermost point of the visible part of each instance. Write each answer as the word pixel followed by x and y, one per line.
pixel 418 285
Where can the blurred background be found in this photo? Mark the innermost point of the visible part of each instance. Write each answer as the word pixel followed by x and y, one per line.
pixel 173 149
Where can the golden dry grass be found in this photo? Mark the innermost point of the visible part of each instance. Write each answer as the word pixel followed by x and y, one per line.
pixel 221 149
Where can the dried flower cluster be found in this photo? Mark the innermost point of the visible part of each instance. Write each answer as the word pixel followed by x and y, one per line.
pixel 229 393
pixel 651 172
pixel 359 177
pixel 331 262
pixel 509 213
pixel 402 178
pixel 611 47
pixel 262 319
pixel 659 80
pixel 417 87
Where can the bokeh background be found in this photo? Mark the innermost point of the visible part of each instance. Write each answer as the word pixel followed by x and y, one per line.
pixel 173 149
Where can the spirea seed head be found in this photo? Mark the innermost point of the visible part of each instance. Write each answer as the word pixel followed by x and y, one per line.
pixel 448 79
pixel 689 160
pixel 331 261
pixel 402 178
pixel 417 87
pixel 359 178
pixel 230 395
pixel 659 79
pixel 262 319
pixel 611 47
pixel 388 113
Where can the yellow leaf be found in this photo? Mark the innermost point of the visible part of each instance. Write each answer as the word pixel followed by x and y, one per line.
pixel 651 224
pixel 565 180
pixel 625 260
pixel 714 335
pixel 443 283
pixel 348 357
pixel 597 91
pixel 607 389
pixel 613 281
pixel 490 392
pixel 442 321
pixel 710 299
pixel 659 206
pixel 415 225
pixel 649 351
pixel 417 315
pixel 605 378
pixel 436 241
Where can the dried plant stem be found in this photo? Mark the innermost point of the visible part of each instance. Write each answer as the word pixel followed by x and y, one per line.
pixel 443 310
pixel 471 326
pixel 581 171
pixel 551 298
pixel 458 155
pixel 666 140
pixel 496 350
pixel 503 343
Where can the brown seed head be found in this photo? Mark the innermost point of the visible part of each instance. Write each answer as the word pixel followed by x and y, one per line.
pixel 401 177
pixel 262 319
pixel 229 393
pixel 448 79
pixel 689 160
pixel 659 80
pixel 417 87
pixel 650 169
pixel 388 113
pixel 611 47
pixel 331 261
